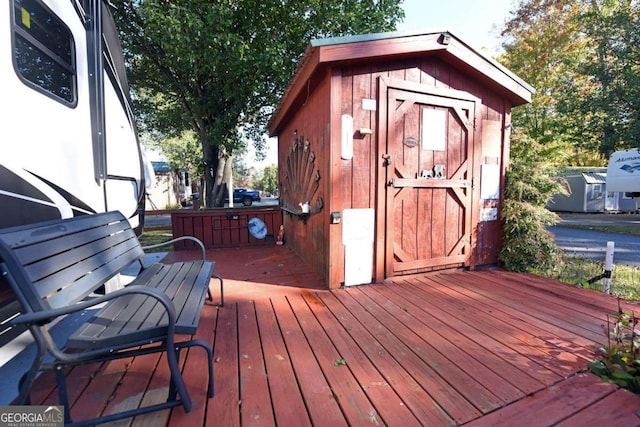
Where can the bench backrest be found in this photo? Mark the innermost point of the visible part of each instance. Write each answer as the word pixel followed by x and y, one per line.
pixel 56 263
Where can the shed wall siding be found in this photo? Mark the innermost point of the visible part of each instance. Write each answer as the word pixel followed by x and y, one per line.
pixel 310 238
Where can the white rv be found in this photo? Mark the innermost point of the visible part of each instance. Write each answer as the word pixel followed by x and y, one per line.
pixel 69 144
pixel 623 172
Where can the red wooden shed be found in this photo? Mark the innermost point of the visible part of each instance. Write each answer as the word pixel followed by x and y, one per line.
pixel 392 155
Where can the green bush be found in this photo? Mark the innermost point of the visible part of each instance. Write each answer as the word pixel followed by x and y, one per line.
pixel 527 245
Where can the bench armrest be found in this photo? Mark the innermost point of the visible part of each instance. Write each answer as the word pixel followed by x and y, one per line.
pixel 168 242
pixel 43 317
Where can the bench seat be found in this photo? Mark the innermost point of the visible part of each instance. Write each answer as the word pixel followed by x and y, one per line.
pixel 138 318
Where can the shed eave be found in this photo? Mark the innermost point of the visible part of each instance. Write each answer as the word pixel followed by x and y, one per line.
pixel 371 47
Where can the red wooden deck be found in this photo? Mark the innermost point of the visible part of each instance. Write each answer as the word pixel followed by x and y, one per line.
pixel 480 348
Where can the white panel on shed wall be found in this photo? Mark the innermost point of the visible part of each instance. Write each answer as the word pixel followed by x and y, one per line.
pixel 357 237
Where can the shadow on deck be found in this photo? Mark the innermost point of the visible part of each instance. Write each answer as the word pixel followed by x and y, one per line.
pixel 480 348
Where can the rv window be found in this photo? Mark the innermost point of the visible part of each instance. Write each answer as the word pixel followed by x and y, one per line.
pixel 43 50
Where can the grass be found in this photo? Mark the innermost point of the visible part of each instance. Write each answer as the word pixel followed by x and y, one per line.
pixel 154 237
pixel 625 280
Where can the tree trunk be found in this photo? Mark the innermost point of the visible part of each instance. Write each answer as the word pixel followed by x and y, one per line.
pixel 223 176
pixel 217 172
pixel 210 155
pixel 217 198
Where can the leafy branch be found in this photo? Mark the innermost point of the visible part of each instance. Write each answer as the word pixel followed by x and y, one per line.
pixel 620 364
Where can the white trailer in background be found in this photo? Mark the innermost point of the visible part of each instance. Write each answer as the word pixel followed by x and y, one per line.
pixel 69 143
pixel 623 173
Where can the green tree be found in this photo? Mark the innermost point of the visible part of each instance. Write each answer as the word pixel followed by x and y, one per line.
pixel 544 45
pixel 613 26
pixel 218 67
pixel 583 58
pixel 183 153
pixel 242 173
pixel 267 180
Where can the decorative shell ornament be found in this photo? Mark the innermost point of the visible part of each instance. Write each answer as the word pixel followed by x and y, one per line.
pixel 301 180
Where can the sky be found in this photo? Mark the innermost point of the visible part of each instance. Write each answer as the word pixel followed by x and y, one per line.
pixel 475 22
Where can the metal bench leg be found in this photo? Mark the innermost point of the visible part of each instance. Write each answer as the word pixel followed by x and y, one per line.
pixel 29 377
pixel 210 296
pixel 63 395
pixel 207 349
pixel 176 375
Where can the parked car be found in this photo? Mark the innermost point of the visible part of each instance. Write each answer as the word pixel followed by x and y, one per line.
pixel 244 196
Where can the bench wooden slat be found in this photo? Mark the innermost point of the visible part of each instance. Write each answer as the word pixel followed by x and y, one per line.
pixel 28 235
pixel 189 314
pixel 95 327
pixel 172 283
pixel 186 297
pixel 89 249
pixel 89 252
pixel 139 316
pixel 73 237
pixel 80 276
pixel 151 313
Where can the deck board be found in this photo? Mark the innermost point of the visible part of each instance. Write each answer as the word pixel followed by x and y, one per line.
pixel 420 403
pixel 479 348
pixel 556 403
pixel 287 400
pixel 521 321
pixel 520 340
pixel 384 399
pixel 344 387
pixel 225 369
pixel 419 340
pixel 156 391
pixel 430 379
pixel 439 335
pixel 607 412
pixel 254 385
pixel 527 320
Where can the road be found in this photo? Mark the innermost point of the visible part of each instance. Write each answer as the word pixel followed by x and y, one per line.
pixel 593 244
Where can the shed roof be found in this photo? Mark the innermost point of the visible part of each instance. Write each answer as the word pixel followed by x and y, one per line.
pixel 161 167
pixel 322 53
pixel 595 178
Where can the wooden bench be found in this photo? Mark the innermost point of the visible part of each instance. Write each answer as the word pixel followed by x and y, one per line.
pixel 55 268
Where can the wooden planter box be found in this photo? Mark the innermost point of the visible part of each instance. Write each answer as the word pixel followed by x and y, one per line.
pixel 222 228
